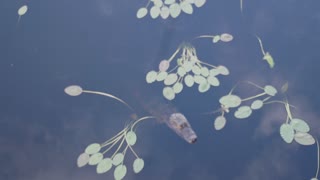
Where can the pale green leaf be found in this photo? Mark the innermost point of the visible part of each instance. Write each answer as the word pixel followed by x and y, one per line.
pixel 177 87
pixel 83 159
pixel 187 66
pixel 168 93
pixel 165 12
pixel 270 90
pixel 117 159
pixel 162 76
pixel 22 10
pixel 304 138
pixel 186 7
pixel 120 172
pixel 225 37
pixel 164 65
pixel 223 70
pixel 299 125
pixel 181 71
pixel 213 81
pixel 199 79
pixel 142 12
pixel 199 3
pixel 230 101
pixel 158 3
pixel 189 80
pixel 257 104
pixel 131 138
pixel 95 158
pixel 204 86
pixel 171 79
pixel 151 76
pixel 93 148
pixel 104 166
pixel 216 39
pixel 269 59
pixel 154 12
pixel 220 122
pixel 205 71
pixel 214 72
pixel 287 133
pixel 175 10
pixel 73 90
pixel 196 70
pixel 243 112
pixel 169 1
pixel 138 165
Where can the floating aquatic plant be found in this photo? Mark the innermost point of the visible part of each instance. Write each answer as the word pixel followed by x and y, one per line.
pixel 188 71
pixel 93 154
pixel 166 8
pixel 266 55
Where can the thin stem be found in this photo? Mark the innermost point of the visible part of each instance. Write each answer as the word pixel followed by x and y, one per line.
pixel 174 54
pixel 112 145
pixel 110 96
pixel 207 64
pixel 173 69
pixel 261 46
pixel 133 151
pixel 252 97
pixel 248 82
pixel 118 147
pixel 141 119
pixel 114 137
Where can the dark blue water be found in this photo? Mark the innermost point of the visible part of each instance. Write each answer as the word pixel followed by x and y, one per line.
pixel 101 45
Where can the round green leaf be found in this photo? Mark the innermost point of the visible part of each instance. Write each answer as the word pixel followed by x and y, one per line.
pixel 177 87
pixel 154 12
pixel 120 172
pixel 188 80
pixel 203 87
pixel 93 148
pixel 213 81
pixel 158 3
pixel 73 90
pixel 22 10
pixel 117 159
pixel 230 101
pixel 169 1
pixel 243 112
pixel 304 138
pixel 168 93
pixel 142 12
pixel 186 7
pixel 214 72
pixel 299 125
pixel 223 70
pixel 181 71
pixel 162 76
pixel 216 39
pixel 165 12
pixel 151 76
pixel 205 71
pixel 164 65
pixel 83 159
pixel 257 104
pixel 220 122
pixel 199 3
pixel 199 79
pixel 175 10
pixel 225 37
pixel 104 166
pixel 187 66
pixel 138 165
pixel 95 158
pixel 270 90
pixel 171 79
pixel 131 138
pixel 196 70
pixel 287 133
